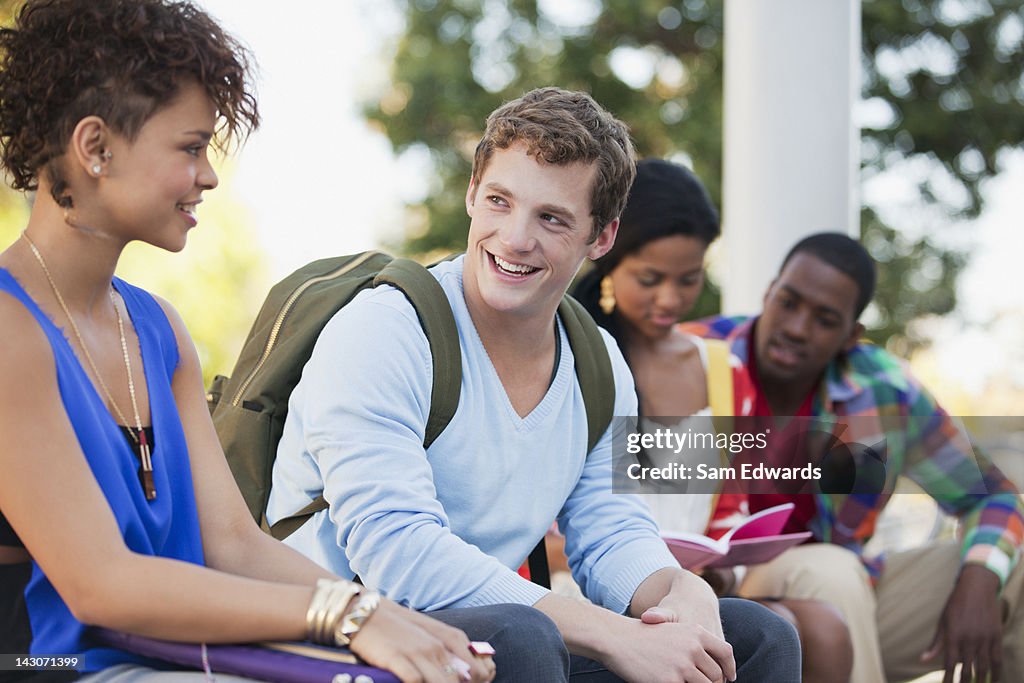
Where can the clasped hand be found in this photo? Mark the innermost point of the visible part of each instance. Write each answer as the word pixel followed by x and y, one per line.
pixel 669 643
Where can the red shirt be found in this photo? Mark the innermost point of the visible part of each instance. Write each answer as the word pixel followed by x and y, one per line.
pixel 806 507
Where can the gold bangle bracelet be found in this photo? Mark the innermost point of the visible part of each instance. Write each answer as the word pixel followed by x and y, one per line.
pixel 343 594
pixel 354 620
pixel 316 607
pixel 328 604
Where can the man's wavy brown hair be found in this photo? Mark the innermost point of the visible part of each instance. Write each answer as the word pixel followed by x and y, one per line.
pixel 563 127
pixel 121 60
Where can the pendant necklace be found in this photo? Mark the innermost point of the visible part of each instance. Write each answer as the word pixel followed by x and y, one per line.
pixel 139 435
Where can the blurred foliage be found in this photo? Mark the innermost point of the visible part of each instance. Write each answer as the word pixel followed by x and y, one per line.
pixel 943 78
pixel 14 210
pixel 950 74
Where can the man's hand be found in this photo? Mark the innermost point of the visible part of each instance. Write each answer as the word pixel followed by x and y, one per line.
pixel 689 599
pixel 671 652
pixel 691 603
pixel 678 639
pixel 970 628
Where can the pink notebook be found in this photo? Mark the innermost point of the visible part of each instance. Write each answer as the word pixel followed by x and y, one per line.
pixel 757 539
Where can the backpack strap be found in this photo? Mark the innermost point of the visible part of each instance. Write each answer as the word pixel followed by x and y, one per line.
pixel 430 302
pixel 719 378
pixel 286 526
pixel 720 396
pixel 427 297
pixel 593 368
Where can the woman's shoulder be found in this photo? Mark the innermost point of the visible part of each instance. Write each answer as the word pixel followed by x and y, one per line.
pixel 27 351
pixel 148 301
pixel 164 322
pixel 16 319
pixel 21 325
pixel 689 349
pixel 155 309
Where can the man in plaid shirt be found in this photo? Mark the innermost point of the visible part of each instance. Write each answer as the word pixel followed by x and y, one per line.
pixel 915 611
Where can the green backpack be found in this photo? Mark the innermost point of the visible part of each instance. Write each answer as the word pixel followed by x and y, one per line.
pixel 250 407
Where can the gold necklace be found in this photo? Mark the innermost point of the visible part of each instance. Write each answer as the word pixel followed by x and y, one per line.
pixel 139 436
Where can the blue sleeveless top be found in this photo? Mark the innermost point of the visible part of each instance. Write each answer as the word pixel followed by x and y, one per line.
pixel 168 526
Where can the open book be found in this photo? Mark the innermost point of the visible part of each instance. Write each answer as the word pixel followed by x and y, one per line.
pixel 757 539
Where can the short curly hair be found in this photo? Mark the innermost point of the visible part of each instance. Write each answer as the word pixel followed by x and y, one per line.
pixel 563 127
pixel 121 60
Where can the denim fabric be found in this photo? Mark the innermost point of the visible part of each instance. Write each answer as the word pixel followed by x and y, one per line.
pixel 765 646
pixel 528 645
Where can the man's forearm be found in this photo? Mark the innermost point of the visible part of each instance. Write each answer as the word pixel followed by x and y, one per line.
pixel 653 590
pixel 588 630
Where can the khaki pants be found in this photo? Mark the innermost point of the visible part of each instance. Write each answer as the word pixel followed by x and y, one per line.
pixel 894 622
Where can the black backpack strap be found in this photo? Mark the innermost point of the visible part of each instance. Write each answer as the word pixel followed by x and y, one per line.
pixel 540 573
pixel 435 313
pixel 593 368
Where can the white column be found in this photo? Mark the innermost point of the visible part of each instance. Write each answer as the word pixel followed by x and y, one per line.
pixel 791 151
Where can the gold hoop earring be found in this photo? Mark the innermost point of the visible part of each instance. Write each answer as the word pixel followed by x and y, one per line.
pixel 607 300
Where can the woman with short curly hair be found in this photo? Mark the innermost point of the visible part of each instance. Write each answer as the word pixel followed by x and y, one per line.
pixel 117 507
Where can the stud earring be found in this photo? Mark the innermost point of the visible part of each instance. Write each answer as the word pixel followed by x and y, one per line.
pixel 96 169
pixel 607 300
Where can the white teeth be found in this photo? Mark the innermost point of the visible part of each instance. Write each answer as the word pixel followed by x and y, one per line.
pixel 513 267
pixel 190 209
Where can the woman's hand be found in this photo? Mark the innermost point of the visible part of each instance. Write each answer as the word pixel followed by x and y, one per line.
pixel 417 648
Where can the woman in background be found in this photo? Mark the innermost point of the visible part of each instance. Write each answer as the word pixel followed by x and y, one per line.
pixel 639 291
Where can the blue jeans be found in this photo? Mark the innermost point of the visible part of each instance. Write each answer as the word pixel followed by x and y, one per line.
pixel 765 646
pixel 528 645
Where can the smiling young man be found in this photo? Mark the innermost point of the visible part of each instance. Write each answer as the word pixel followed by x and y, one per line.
pixel 448 525
pixel 923 609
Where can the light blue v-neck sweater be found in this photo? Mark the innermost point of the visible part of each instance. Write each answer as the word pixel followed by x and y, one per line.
pixel 447 527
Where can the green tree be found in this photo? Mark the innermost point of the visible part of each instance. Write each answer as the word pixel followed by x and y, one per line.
pixel 942 78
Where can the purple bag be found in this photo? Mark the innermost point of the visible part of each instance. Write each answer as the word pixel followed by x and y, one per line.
pixel 279 662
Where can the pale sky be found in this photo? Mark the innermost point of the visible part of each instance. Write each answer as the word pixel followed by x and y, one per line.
pixel 316 181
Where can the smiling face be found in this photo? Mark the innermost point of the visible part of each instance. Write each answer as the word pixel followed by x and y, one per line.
pixel 808 320
pixel 151 186
pixel 656 285
pixel 530 231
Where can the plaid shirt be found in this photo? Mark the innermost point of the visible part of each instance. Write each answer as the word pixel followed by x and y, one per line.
pixel 879 402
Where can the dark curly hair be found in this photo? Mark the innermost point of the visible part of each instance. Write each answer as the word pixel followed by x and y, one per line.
pixel 121 60
pixel 562 127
